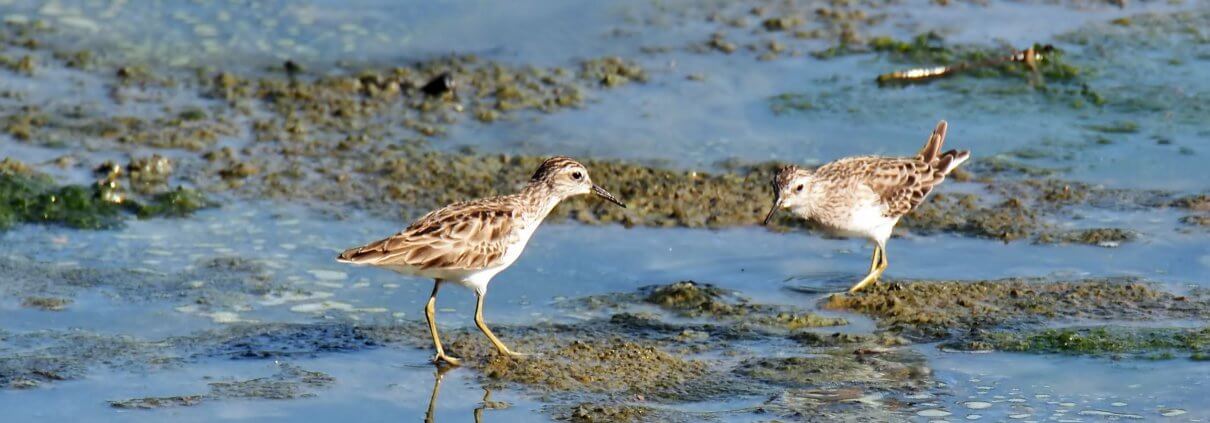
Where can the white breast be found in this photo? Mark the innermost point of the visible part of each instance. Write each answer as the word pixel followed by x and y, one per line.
pixel 479 279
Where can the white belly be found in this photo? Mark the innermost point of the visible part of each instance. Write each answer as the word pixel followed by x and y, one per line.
pixel 867 222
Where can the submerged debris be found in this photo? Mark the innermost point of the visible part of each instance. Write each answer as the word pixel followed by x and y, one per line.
pixel 1103 237
pixel 213 285
pixel 1197 220
pixel 46 303
pixel 439 85
pixel 1030 57
pixel 612 71
pixel 1199 202
pixel 149 173
pixel 290 382
pixel 158 402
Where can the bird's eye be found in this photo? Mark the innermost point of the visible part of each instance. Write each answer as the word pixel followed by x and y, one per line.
pixel 577 175
pixel 798 188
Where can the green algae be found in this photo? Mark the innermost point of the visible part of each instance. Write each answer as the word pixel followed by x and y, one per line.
pixel 1120 127
pixel 34 199
pixel 180 202
pixel 1115 342
pixel 28 197
pixel 934 310
pixel 790 102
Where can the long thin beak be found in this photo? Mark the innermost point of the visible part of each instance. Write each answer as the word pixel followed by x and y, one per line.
pixel 601 192
pixel 772 211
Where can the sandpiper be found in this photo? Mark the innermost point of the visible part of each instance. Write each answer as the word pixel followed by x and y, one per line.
pixel 865 196
pixel 470 242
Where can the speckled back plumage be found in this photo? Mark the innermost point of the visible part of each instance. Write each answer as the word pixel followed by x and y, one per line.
pixel 470 235
pixel 899 183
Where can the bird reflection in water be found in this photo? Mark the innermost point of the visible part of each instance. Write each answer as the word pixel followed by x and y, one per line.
pixel 485 404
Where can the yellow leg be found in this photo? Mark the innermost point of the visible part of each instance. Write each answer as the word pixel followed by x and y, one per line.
pixel 430 313
pixel 877 266
pixel 882 257
pixel 875 259
pixel 486 331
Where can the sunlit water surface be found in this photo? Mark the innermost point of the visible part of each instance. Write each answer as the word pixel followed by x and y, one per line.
pixel 729 117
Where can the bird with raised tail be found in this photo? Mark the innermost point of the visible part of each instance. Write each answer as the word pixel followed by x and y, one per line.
pixel 865 196
pixel 468 243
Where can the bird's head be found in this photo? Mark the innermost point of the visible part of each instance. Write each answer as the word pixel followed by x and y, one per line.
pixel 791 189
pixel 566 177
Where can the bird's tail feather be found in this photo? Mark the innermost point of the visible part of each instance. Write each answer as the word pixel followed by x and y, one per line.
pixel 950 160
pixel 933 146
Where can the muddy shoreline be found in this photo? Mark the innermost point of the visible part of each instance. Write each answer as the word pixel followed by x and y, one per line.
pixel 100 139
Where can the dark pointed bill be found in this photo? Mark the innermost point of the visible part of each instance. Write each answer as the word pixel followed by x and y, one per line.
pixel 773 210
pixel 601 192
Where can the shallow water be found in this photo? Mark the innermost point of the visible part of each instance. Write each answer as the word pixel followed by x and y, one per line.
pixel 1155 77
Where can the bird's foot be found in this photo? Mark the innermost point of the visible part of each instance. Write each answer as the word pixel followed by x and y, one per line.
pixel 870 279
pixel 514 354
pixel 442 358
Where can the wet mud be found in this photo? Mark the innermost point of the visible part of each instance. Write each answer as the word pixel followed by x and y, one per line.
pixel 1102 341
pixel 928 311
pixel 581 368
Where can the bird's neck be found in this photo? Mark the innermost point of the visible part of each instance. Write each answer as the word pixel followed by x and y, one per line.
pixel 541 197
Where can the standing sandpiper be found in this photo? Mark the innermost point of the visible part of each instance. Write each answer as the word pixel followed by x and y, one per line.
pixel 470 242
pixel 865 196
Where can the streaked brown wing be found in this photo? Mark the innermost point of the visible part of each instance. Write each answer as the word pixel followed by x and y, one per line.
pixel 902 183
pixel 471 235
